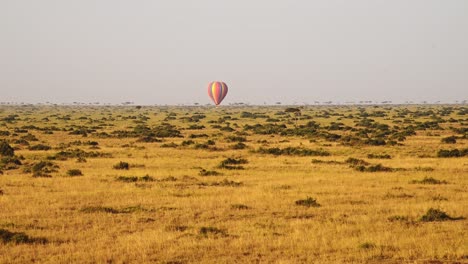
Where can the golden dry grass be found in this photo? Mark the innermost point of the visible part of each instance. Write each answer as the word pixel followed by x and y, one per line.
pixel 183 217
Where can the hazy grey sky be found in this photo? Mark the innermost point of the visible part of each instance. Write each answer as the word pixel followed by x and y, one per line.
pixel 166 51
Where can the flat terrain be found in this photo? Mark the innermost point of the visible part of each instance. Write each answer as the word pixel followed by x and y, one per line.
pixel 317 184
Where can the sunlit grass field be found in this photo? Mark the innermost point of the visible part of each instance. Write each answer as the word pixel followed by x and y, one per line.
pixel 244 184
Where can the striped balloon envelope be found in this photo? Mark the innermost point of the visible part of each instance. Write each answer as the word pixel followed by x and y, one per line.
pixel 217 91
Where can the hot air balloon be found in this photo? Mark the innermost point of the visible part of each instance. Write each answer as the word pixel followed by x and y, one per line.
pixel 217 91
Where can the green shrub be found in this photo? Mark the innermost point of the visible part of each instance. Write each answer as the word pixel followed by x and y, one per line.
pixel 18 238
pixel 122 166
pixel 239 207
pixel 169 145
pixel 436 215
pixel 99 209
pixel 232 163
pixel 10 163
pixel 6 150
pixel 205 231
pixel 187 142
pixel 42 169
pixel 293 151
pixel 40 147
pixel 145 178
pixel 308 202
pixel 239 145
pixel 398 218
pixel 367 245
pixel 449 140
pixel 356 162
pixel 453 153
pixel 204 172
pixel 379 156
pixel 224 182
pixel 428 180
pixel 74 172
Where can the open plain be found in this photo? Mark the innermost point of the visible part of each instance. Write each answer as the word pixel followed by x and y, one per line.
pixel 243 184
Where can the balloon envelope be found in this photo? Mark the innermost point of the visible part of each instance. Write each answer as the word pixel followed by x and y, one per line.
pixel 217 91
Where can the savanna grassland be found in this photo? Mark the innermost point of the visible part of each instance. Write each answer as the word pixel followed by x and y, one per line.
pixel 317 184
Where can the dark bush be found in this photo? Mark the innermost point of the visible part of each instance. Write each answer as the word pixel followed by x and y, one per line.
pixel 204 172
pixel 42 169
pixel 198 136
pixel 18 238
pixel 233 163
pixel 293 151
pixel 373 168
pixel 239 145
pixel 309 202
pixel 236 139
pixel 122 166
pixel 99 209
pixel 127 179
pixel 6 150
pixel 187 142
pixel 435 215
pixel 453 153
pixel 148 139
pixel 169 145
pixel 74 172
pixel 205 231
pixel 78 153
pixel 428 180
pixel 357 162
pixel 40 147
pixel 226 183
pixel 449 140
pixel 239 207
pixel 145 178
pixel 379 156
pixel 9 162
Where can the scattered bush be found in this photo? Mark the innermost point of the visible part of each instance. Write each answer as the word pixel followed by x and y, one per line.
pixel 10 163
pixel 449 140
pixel 99 209
pixel 293 151
pixel 148 139
pixel 225 182
pixel 453 153
pixel 187 143
pixel 204 172
pixel 78 153
pixel 236 139
pixel 436 215
pixel 398 218
pixel 367 245
pixel 145 178
pixel 239 207
pixel 373 168
pixel 364 166
pixel 18 238
pixel 239 145
pixel 379 156
pixel 169 145
pixel 6 150
pixel 356 162
pixel 309 202
pixel 40 147
pixel 42 169
pixel 205 231
pixel 428 180
pixel 233 163
pixel 122 166
pixel 74 172
pixel 317 161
